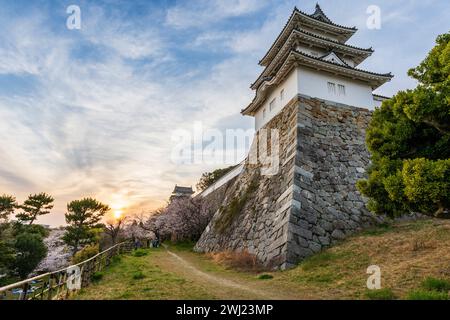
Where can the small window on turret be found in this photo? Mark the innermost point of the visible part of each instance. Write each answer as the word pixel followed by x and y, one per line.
pixel 331 88
pixel 282 95
pixel 264 113
pixel 341 90
pixel 272 104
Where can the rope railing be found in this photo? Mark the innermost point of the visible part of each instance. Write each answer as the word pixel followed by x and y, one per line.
pixel 58 285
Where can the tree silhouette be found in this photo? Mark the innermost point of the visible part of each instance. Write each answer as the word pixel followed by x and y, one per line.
pixel 7 205
pixel 36 205
pixel 83 217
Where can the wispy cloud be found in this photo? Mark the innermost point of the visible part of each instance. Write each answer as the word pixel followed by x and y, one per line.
pixel 199 13
pixel 91 112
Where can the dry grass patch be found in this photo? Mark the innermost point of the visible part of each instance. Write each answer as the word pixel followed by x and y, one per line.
pixel 240 261
pixel 407 253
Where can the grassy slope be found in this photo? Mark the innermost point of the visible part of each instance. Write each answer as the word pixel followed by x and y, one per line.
pixel 406 253
pixel 118 281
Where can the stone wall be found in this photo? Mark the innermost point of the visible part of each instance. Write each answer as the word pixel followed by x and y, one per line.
pixel 261 226
pixel 331 157
pixel 311 202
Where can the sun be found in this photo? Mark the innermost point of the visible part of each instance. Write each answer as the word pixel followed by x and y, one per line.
pixel 118 214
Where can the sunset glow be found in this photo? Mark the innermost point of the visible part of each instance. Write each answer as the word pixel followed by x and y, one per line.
pixel 118 214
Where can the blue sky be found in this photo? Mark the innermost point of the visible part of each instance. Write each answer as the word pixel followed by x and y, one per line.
pixel 91 112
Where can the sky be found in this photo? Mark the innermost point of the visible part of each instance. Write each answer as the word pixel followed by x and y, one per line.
pixel 96 111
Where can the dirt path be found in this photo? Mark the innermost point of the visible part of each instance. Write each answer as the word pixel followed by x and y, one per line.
pixel 225 288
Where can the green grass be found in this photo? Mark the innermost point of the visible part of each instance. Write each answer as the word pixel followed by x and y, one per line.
pixel 141 278
pixel 97 276
pixel 379 230
pixel 181 246
pixel 381 294
pixel 138 275
pixel 434 284
pixel 322 259
pixel 140 252
pixel 427 295
pixel 336 273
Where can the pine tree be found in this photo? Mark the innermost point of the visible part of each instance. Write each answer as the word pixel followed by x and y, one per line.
pixel 36 205
pixel 7 206
pixel 83 218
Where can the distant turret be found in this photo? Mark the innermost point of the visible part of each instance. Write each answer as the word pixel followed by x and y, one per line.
pixel 181 192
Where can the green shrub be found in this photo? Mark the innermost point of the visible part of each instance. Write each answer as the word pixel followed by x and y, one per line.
pixel 85 253
pixel 30 250
pixel 381 294
pixel 408 138
pixel 97 276
pixel 434 284
pixel 116 259
pixel 209 178
pixel 138 275
pixel 34 229
pixel 427 295
pixel 265 276
pixel 140 252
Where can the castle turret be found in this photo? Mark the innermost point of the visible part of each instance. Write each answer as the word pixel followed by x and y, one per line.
pixel 310 57
pixel 181 192
pixel 313 96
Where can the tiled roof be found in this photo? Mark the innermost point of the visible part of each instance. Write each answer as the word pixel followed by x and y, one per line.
pixel 388 75
pixel 297 11
pixel 179 189
pixel 319 13
pixel 364 53
pixel 332 52
pixel 336 42
pixel 380 96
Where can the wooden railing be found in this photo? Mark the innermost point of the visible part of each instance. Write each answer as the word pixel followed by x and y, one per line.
pixel 58 285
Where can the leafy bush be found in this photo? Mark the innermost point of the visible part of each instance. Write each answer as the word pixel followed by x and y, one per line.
pixel 30 250
pixel 97 276
pixel 87 252
pixel 140 252
pixel 427 184
pixel 381 294
pixel 265 276
pixel 434 284
pixel 19 228
pixel 427 295
pixel 138 275
pixel 209 178
pixel 408 138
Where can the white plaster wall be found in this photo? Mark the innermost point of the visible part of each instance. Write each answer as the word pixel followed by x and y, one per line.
pixel 290 87
pixel 378 101
pixel 315 84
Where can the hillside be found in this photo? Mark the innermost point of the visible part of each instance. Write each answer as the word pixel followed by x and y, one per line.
pixel 407 253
